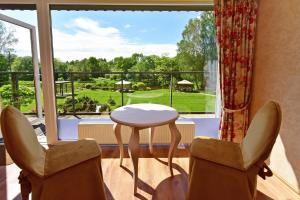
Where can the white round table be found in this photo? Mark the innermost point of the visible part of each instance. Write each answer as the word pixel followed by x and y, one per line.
pixel 141 116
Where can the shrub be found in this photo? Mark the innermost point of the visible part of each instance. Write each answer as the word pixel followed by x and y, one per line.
pixel 139 86
pixel 134 86
pixel 111 101
pixel 78 106
pixel 82 104
pixel 69 100
pixel 79 85
pixel 88 86
pixel 114 76
pixel 104 107
pixel 99 84
pixel 95 86
pixel 27 83
pixel 25 95
pixel 60 108
pixel 104 83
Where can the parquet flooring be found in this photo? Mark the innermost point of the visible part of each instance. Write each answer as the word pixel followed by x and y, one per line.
pixel 154 178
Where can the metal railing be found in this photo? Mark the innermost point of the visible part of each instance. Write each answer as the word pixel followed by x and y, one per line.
pixel 152 80
pixel 69 84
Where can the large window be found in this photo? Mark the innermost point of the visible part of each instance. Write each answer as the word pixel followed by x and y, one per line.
pixel 106 59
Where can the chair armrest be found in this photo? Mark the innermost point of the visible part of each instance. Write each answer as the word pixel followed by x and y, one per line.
pixel 218 151
pixel 63 156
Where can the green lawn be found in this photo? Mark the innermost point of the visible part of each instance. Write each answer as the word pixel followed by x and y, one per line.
pixel 182 101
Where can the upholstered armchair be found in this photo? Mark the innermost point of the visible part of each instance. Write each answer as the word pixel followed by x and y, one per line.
pixel 227 170
pixel 66 171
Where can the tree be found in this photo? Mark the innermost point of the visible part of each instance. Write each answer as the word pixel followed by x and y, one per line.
pixel 165 64
pixel 208 35
pixel 198 46
pixel 103 65
pixel 144 64
pixel 3 68
pixel 124 64
pixel 7 39
pixel 60 66
pixel 23 64
pixel 92 65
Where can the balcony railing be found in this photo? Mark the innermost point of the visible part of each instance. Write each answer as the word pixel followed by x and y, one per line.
pixel 85 93
pixel 144 87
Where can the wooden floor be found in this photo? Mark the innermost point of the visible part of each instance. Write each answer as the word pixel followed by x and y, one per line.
pixel 154 178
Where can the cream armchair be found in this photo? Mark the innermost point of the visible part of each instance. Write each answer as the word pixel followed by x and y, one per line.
pixel 67 171
pixel 227 170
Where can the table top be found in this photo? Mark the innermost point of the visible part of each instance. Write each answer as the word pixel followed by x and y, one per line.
pixel 62 82
pixel 144 115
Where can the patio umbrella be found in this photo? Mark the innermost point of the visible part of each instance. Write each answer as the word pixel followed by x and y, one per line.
pixel 184 82
pixel 124 82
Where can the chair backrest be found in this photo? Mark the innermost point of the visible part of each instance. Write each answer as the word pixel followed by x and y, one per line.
pixel 21 141
pixel 261 134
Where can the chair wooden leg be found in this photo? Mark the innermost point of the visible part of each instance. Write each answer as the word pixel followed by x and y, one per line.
pixel 25 186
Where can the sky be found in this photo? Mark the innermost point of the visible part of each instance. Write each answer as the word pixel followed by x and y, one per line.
pixel 106 34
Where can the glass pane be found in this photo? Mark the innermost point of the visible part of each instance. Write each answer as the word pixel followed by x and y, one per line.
pixel 93 93
pixel 17 85
pixel 102 48
pixel 149 88
pixel 194 92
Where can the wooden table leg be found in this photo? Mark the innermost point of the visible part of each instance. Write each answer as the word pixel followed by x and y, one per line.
pixel 133 149
pixel 117 131
pixel 175 139
pixel 151 135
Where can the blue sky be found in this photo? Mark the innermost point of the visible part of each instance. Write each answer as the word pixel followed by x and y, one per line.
pixel 107 34
pixel 146 27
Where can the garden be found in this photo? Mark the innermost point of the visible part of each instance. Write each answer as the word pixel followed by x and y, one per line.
pixel 101 95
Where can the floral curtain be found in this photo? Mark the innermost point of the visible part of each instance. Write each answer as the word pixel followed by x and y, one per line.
pixel 235 23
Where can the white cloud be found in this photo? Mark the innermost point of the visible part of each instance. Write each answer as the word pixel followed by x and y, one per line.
pixel 88 38
pixel 127 26
pixel 23 46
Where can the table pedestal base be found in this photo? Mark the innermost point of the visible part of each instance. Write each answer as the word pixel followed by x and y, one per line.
pixel 133 147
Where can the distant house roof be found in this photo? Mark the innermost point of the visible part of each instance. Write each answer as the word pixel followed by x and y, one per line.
pixel 184 82
pixel 124 82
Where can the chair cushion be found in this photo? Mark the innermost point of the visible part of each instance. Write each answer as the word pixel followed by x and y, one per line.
pixel 65 155
pixel 218 151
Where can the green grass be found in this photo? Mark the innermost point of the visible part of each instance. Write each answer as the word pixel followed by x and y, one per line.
pixel 182 101
pixel 29 108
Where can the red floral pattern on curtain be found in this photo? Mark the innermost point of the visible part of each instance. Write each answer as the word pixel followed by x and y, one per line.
pixel 235 23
